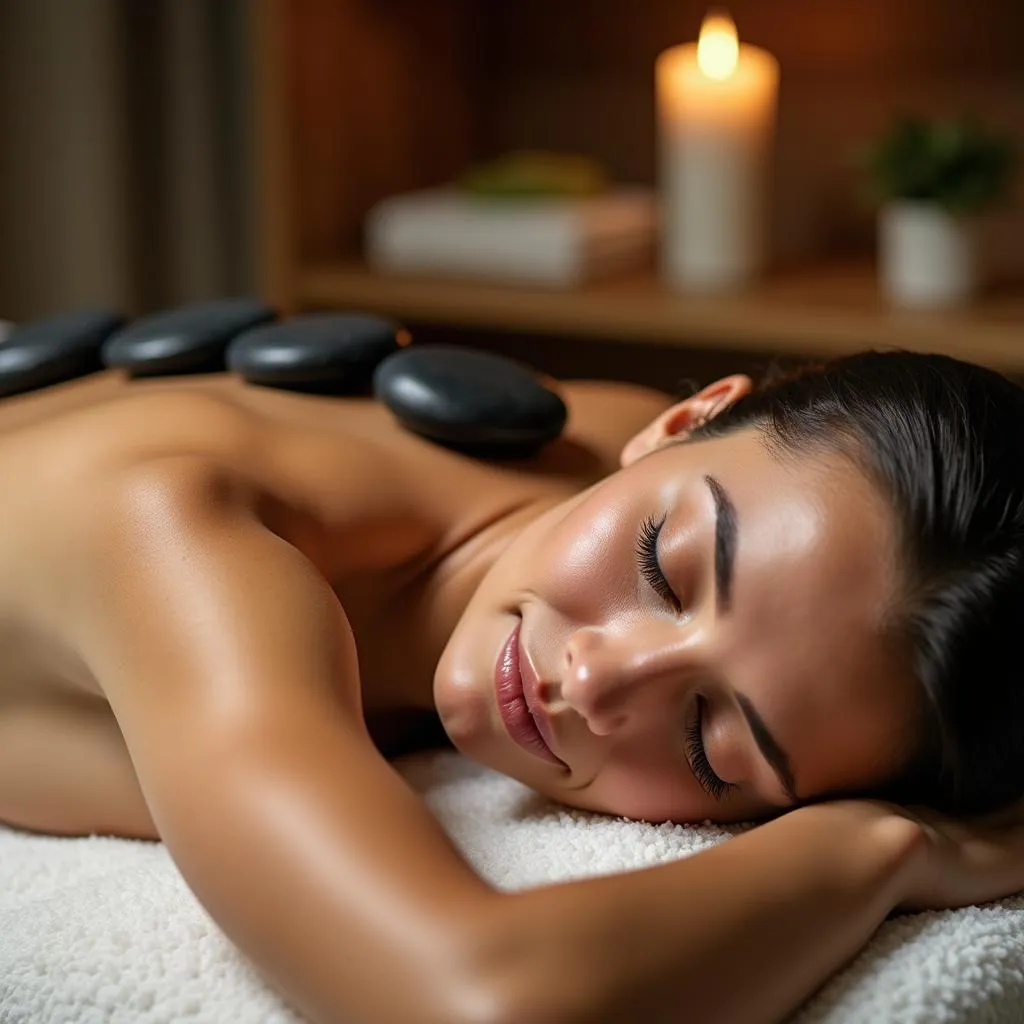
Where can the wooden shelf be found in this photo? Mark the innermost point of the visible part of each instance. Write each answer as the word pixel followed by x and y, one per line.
pixel 822 312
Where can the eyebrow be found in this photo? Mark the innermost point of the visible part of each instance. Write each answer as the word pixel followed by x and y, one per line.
pixel 770 749
pixel 725 542
pixel 726 529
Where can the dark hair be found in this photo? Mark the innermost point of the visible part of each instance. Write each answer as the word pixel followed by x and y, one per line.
pixel 944 441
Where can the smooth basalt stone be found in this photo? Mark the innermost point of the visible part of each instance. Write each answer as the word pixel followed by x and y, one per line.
pixel 188 339
pixel 329 352
pixel 476 402
pixel 57 349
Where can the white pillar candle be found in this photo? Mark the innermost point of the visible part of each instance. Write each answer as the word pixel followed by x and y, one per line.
pixel 716 114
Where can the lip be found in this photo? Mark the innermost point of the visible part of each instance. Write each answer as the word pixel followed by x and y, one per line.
pixel 523 718
pixel 531 688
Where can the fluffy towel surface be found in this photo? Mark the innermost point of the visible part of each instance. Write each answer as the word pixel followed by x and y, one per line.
pixel 104 930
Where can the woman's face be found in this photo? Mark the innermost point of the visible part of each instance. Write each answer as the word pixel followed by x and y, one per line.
pixel 698 636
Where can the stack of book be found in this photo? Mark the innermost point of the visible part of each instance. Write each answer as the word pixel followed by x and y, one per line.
pixel 554 242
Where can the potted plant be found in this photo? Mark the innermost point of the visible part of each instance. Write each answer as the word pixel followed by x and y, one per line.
pixel 933 179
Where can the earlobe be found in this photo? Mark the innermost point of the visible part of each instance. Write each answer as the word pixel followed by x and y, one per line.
pixel 681 419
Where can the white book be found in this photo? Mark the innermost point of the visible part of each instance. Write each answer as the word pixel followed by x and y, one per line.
pixel 553 242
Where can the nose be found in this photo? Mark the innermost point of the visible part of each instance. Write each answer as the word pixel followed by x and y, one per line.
pixel 613 679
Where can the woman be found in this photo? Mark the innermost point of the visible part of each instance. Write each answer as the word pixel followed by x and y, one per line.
pixel 803 617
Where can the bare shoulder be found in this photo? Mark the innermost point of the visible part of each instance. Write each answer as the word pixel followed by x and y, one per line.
pixel 604 415
pixel 63 466
pixel 615 403
pixel 617 392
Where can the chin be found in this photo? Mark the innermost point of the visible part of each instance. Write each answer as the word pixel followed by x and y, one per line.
pixel 464 681
pixel 472 723
pixel 461 710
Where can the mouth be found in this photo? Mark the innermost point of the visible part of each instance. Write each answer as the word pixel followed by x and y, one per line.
pixel 527 727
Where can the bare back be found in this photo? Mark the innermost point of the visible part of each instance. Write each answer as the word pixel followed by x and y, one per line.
pixel 401 529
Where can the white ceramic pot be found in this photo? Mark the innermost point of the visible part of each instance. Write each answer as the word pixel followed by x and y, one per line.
pixel 928 258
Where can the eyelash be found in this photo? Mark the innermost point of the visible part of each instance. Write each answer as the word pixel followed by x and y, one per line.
pixel 698 758
pixel 650 569
pixel 647 558
pixel 696 755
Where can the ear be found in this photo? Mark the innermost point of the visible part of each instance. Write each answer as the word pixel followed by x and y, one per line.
pixel 682 418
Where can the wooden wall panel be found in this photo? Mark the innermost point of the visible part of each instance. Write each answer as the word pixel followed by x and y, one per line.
pixel 578 76
pixel 379 100
pixel 380 96
pixel 819 36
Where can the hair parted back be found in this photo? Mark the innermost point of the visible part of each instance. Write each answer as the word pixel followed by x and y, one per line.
pixel 944 441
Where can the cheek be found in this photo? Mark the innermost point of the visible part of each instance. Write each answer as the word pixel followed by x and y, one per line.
pixel 587 558
pixel 635 782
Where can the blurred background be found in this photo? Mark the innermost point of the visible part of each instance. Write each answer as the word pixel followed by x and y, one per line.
pixel 127 161
pixel 157 152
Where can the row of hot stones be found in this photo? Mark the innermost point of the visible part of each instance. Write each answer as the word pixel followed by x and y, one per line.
pixel 475 402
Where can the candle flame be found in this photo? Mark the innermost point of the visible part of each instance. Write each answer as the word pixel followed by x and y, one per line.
pixel 718 46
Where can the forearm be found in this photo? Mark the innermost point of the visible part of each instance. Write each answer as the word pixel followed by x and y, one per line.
pixel 349 898
pixel 741 933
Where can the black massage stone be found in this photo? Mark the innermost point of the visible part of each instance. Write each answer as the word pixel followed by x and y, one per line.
pixel 332 353
pixel 57 349
pixel 189 339
pixel 475 402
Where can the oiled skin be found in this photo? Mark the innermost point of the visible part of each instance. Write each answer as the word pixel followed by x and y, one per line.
pixel 325 474
pixel 188 569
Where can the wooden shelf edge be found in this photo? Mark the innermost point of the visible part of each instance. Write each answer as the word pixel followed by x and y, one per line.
pixel 823 312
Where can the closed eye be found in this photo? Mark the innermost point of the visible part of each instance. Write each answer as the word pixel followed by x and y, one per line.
pixel 650 567
pixel 697 756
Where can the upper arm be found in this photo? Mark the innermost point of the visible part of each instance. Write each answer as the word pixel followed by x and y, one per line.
pixel 232 671
pixel 189 594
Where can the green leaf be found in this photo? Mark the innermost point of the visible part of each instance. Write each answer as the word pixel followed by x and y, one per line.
pixel 954 163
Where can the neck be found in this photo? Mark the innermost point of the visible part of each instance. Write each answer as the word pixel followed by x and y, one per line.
pixel 457 575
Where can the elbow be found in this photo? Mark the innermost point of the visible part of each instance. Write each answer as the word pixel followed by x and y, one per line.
pixel 516 974
pixel 488 1003
pixel 480 1003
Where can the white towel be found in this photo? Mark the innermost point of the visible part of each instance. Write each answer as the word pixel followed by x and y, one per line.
pixel 104 931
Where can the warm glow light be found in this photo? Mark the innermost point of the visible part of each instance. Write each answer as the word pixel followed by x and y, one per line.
pixel 718 46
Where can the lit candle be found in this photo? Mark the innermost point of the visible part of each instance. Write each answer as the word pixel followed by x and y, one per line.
pixel 716 112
